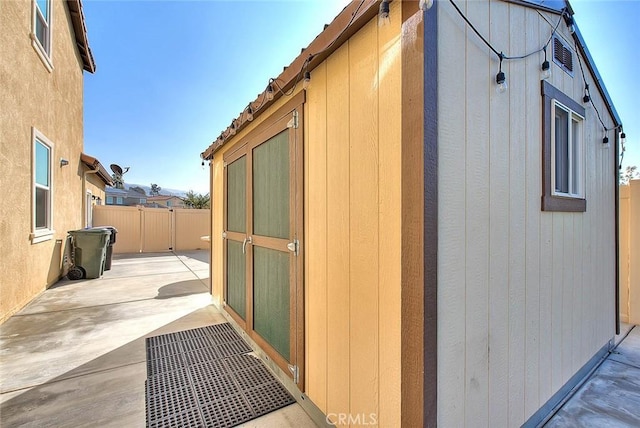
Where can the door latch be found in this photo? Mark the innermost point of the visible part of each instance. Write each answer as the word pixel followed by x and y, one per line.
pixel 246 241
pixel 295 372
pixel 294 246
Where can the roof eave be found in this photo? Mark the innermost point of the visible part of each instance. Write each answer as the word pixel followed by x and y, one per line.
pixel 351 19
pixel 591 65
pixel 95 165
pixel 80 30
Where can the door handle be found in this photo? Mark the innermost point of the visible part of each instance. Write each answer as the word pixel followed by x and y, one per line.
pixel 246 241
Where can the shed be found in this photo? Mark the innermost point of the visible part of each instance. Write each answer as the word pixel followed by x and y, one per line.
pixel 416 222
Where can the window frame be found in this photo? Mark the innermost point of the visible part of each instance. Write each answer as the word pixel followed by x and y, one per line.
pixel 44 50
pixel 551 199
pixel 43 233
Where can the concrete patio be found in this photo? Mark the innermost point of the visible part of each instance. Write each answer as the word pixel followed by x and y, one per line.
pixel 75 356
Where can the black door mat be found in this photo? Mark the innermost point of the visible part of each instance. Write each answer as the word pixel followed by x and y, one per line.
pixel 204 378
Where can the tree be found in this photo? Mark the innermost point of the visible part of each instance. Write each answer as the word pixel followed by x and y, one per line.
pixel 629 174
pixel 155 190
pixel 197 200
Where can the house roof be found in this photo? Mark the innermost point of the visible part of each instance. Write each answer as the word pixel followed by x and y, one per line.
pixel 80 31
pixel 352 18
pixel 94 164
pixel 162 198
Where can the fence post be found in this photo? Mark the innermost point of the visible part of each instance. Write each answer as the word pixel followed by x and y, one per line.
pixel 634 252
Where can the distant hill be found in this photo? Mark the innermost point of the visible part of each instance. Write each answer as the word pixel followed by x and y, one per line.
pixel 163 191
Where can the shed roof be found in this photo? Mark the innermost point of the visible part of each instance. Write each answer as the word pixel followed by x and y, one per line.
pixel 80 32
pixel 352 18
pixel 95 164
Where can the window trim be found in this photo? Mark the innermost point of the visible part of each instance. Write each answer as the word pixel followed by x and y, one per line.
pixel 43 234
pixel 45 53
pixel 551 201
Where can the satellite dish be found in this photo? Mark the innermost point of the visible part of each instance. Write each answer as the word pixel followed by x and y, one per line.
pixel 116 169
pixel 117 175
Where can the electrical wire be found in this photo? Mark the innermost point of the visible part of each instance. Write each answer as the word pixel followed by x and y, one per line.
pixel 501 56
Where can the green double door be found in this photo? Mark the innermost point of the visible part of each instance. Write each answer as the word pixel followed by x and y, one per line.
pixel 263 264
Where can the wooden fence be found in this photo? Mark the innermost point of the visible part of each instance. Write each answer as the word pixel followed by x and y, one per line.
pixel 630 252
pixel 147 230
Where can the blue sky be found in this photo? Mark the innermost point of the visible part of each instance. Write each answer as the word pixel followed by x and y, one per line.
pixel 171 75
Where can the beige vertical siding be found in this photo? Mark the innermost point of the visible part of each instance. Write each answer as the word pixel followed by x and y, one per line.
pixel 630 252
pixel 525 297
pixel 50 102
pixel 352 229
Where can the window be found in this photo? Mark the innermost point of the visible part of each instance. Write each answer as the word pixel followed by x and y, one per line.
pixel 109 200
pixel 119 200
pixel 42 219
pixel 168 203
pixel 143 201
pixel 563 152
pixel 42 30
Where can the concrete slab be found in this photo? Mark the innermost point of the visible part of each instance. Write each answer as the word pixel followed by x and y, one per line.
pixel 611 396
pixel 628 352
pixel 76 355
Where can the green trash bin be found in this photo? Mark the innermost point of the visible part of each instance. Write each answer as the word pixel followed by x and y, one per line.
pixel 90 248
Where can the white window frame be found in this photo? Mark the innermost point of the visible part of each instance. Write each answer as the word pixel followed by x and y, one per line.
pixel 576 186
pixel 44 51
pixel 119 200
pixel 44 233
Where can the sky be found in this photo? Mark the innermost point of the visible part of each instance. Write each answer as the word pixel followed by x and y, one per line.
pixel 171 75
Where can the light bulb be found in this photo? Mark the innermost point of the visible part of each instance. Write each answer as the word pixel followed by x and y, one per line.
pixel 425 5
pixel 383 14
pixel 269 93
pixel 623 138
pixel 307 80
pixel 501 80
pixel 249 113
pixel 232 129
pixel 546 70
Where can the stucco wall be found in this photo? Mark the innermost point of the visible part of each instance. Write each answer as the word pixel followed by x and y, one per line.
pixel 526 297
pixel 51 102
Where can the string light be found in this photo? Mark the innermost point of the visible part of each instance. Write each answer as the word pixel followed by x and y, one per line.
pixel 383 15
pixel 425 5
pixel 232 128
pixel 269 92
pixel 249 113
pixel 568 19
pixel 501 79
pixel 307 80
pixel 586 97
pixel 546 67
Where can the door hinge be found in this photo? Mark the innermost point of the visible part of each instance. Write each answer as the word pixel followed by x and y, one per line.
pixel 293 123
pixel 294 246
pixel 224 235
pixel 295 372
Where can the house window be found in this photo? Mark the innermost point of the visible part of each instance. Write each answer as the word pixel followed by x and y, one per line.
pixel 563 152
pixel 169 203
pixel 42 218
pixel 119 200
pixel 109 200
pixel 42 30
pixel 143 201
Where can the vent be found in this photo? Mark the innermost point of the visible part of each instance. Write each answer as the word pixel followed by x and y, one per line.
pixel 562 55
